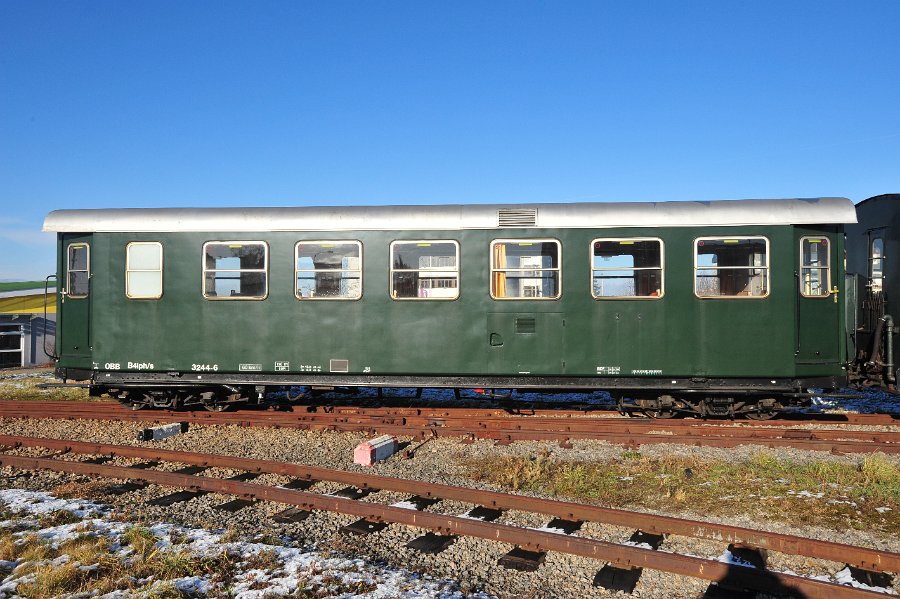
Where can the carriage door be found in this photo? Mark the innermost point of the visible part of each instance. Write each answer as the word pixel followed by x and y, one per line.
pixel 75 302
pixel 530 343
pixel 818 303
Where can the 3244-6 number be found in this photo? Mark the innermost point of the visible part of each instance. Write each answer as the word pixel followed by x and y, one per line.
pixel 205 367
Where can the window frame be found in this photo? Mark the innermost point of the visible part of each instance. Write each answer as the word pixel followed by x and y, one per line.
pixel 661 269
pixel 876 235
pixel 767 268
pixel 160 271
pixel 314 270
pixel 16 330
pixel 87 269
pixel 827 267
pixel 392 270
pixel 558 269
pixel 205 270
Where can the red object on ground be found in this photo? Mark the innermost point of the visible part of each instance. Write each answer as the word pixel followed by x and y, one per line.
pixel 374 450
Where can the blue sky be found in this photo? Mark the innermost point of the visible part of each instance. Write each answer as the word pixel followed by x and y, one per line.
pixel 216 103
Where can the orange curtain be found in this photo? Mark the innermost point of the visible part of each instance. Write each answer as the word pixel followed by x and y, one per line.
pixel 499 277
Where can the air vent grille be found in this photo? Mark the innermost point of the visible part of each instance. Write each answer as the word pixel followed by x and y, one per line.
pixel 525 325
pixel 517 217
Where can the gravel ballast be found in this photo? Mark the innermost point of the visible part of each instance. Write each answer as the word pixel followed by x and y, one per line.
pixel 473 562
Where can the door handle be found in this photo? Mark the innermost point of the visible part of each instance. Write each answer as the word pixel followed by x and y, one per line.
pixel 496 340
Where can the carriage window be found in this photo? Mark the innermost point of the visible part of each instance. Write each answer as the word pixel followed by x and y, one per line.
pixel 235 270
pixel 626 268
pixel 425 270
pixel 328 270
pixel 731 267
pixel 525 269
pixel 876 263
pixel 815 271
pixel 78 270
pixel 11 355
pixel 143 270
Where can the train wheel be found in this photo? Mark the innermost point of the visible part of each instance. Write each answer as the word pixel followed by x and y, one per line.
pixel 215 407
pixel 767 414
pixel 661 414
pixel 137 400
pixel 662 407
pixel 761 415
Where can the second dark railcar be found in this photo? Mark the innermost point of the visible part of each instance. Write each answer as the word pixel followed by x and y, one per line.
pixel 873 243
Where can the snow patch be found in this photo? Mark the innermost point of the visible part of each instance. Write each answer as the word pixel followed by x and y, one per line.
pixel 729 558
pixel 289 569
pixel 846 578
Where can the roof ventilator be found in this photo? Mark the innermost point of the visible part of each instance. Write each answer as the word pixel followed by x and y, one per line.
pixel 517 217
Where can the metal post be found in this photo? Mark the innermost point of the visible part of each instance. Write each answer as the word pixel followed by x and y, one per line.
pixel 889 377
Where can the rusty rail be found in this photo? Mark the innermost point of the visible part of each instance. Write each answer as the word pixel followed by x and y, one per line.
pixel 488 425
pixel 861 557
pixel 623 556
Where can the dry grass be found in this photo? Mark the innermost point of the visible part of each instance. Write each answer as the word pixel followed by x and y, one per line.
pixel 92 568
pixel 28 548
pixel 266 561
pixel 141 539
pixel 79 489
pixel 231 535
pixel 57 518
pixel 26 388
pixel 765 486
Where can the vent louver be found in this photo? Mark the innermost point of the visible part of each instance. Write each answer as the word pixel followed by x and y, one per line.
pixel 517 217
pixel 525 326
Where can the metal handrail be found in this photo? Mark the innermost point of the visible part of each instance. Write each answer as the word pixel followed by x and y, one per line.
pixel 46 293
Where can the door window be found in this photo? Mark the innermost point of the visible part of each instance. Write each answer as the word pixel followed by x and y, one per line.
pixel 876 263
pixel 78 270
pixel 815 267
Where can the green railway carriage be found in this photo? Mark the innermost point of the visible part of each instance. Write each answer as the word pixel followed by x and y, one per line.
pixel 719 307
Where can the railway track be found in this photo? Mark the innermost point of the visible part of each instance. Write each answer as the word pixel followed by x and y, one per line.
pixel 504 427
pixel 623 559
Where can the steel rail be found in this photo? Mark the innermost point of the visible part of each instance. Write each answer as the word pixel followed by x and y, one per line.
pixel 861 557
pixel 587 427
pixel 439 417
pixel 547 429
pixel 623 556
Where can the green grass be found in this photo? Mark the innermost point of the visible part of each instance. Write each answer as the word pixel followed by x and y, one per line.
pixel 765 486
pixel 22 285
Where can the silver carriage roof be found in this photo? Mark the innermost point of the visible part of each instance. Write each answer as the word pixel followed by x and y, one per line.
pixel 594 215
